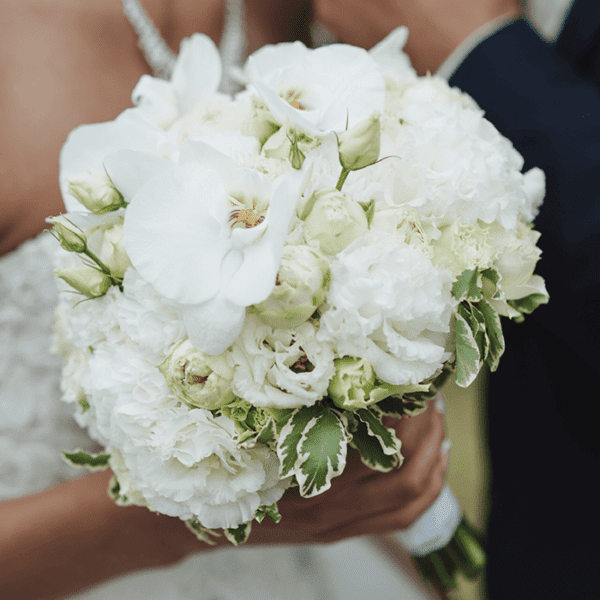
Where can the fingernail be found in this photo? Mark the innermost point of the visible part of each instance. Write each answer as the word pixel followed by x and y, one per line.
pixel 445 446
pixel 440 402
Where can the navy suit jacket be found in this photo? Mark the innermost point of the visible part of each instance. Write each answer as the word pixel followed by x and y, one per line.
pixel 543 402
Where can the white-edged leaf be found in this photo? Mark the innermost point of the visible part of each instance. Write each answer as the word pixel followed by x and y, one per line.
pixel 321 452
pixel 94 462
pixel 270 511
pixel 289 439
pixel 490 282
pixel 494 332
pixel 528 304
pixel 386 437
pixel 392 406
pixel 370 449
pixel 468 286
pixel 238 535
pixel 202 533
pixel 467 353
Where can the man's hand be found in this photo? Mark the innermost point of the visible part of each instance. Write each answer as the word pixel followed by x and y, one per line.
pixel 436 27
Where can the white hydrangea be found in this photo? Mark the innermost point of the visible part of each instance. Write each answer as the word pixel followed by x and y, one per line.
pixel 281 368
pixel 389 304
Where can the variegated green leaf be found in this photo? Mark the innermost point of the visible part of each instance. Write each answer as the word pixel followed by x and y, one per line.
pixel 270 511
pixel 467 353
pixel 490 280
pixel 528 304
pixel 494 332
pixel 467 286
pixel 290 436
pixel 321 452
pixel 202 533
pixel 392 406
pixel 478 327
pixel 370 449
pixel 238 535
pixel 390 444
pixel 94 462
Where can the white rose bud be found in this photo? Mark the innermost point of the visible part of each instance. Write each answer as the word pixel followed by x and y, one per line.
pixel 113 253
pixel 518 255
pixel 87 280
pixel 334 220
pixel 96 192
pixel 262 124
pixel 359 146
pixel 300 289
pixel 196 378
pixel 71 238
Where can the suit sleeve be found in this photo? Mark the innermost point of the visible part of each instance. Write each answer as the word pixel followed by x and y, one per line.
pixel 551 113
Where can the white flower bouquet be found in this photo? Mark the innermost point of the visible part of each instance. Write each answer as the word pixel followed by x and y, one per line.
pixel 266 276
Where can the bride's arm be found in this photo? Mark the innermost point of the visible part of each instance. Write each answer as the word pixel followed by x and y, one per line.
pixel 73 536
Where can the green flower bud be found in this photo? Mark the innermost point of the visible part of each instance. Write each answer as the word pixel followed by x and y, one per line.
pixel 196 378
pixel 300 289
pixel 262 124
pixel 71 238
pixel 96 192
pixel 359 146
pixel 87 280
pixel 355 386
pixel 112 252
pixel 334 220
pixel 290 143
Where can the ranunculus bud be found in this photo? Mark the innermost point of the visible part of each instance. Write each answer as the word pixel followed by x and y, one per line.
pixel 96 192
pixel 355 386
pixel 87 280
pixel 334 220
pixel 71 238
pixel 359 146
pixel 300 289
pixel 112 252
pixel 196 378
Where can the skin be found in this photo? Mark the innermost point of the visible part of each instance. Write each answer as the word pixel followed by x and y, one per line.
pixel 76 62
pixel 436 27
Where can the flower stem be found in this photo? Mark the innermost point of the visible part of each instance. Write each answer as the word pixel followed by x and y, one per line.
pixel 343 176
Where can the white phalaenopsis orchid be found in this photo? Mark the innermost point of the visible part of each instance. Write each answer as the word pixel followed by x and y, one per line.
pixel 206 233
pixel 320 90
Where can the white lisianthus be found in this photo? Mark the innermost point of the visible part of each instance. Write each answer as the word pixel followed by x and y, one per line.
pixel 299 290
pixel 389 304
pixel 281 368
pixel 209 234
pixel 317 90
pixel 198 379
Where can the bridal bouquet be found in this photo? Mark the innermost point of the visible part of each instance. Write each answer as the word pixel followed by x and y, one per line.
pixel 259 280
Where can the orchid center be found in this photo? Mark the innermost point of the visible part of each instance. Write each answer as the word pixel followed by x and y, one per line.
pixel 293 99
pixel 247 212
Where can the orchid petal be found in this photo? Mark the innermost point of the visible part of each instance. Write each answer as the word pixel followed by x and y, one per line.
pixel 200 152
pixel 88 145
pixel 197 72
pixel 130 170
pixel 171 237
pixel 214 325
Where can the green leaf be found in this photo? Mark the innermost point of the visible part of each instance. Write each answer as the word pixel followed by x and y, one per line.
pixel 238 535
pixel 290 436
pixel 94 462
pixel 468 286
pixel 370 449
pixel 476 321
pixel 528 304
pixel 467 353
pixel 490 281
pixel 390 444
pixel 392 406
pixel 369 208
pixel 321 451
pixel 494 332
pixel 270 511
pixel 202 533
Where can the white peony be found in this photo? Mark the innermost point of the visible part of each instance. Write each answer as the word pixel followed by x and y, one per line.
pixel 281 368
pixel 389 304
